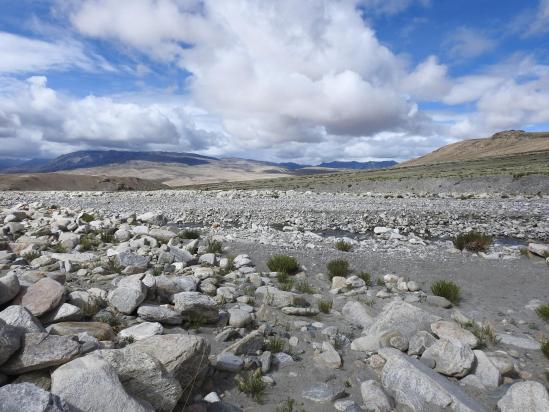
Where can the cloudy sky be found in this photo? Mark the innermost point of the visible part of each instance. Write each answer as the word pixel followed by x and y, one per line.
pixel 285 80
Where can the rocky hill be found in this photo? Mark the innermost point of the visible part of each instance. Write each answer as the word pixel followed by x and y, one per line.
pixel 504 143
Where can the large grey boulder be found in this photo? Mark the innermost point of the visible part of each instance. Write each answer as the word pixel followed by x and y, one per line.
pixel 451 357
pixel 88 303
pixel 196 306
pixel 167 286
pixel 21 318
pixel 162 234
pixel 128 296
pixel 451 330
pixel 419 342
pixel 43 296
pixel 153 218
pixel 525 396
pixel 355 312
pixel 9 288
pixel 184 356
pixel 539 249
pixel 128 258
pixel 10 341
pixel 65 312
pixel 90 384
pixel 374 397
pixel 487 373
pixel 144 377
pixel 163 314
pixel 278 298
pixel 26 397
pixel 142 330
pixel 416 387
pixel 40 351
pixel 398 316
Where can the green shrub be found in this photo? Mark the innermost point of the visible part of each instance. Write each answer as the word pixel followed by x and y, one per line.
pixel 58 248
pixel 472 241
pixel 485 334
pixel 107 236
pixel 189 234
pixel 366 277
pixel 343 246
pixel 283 263
pixel 446 289
pixel 157 270
pixel 275 344
pixel 252 385
pixel 338 267
pixel 30 256
pixel 325 305
pixel 545 348
pixel 214 246
pixel 88 242
pixel 287 285
pixel 87 217
pixel 303 286
pixel 543 312
pixel 289 405
pixel 380 282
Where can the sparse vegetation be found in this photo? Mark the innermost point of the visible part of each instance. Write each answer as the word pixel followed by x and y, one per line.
pixel 303 286
pixel 275 344
pixel 325 305
pixel 157 270
pixel 87 217
pixel 380 282
pixel 88 242
pixel 107 236
pixel 30 256
pixel 338 267
pixel 485 333
pixel 112 321
pixel 252 385
pixel 343 246
pixel 543 312
pixel 58 248
pixel 283 264
pixel 472 241
pixel 289 405
pixel 545 348
pixel 366 277
pixel 128 340
pixel 447 289
pixel 189 234
pixel 286 285
pixel 214 246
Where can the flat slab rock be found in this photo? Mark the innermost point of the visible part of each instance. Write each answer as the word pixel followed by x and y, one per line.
pixel 43 296
pixel 324 392
pixel 26 397
pixel 519 342
pixel 98 330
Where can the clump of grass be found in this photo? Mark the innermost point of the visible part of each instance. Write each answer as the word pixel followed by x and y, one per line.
pixel 325 305
pixel 289 405
pixel 524 251
pixel 338 267
pixel 275 344
pixel 545 348
pixel 157 270
pixel 30 256
pixel 252 385
pixel 107 236
pixel 486 334
pixel 214 246
pixel 366 277
pixel 88 242
pixel 128 339
pixel 303 286
pixel 189 234
pixel 473 241
pixel 447 289
pixel 287 285
pixel 283 264
pixel 87 217
pixel 58 248
pixel 343 246
pixel 380 282
pixel 543 312
pixel 112 321
pixel 113 267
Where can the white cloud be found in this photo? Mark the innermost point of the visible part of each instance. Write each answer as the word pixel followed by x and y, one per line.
pixel 429 80
pixel 467 43
pixel 540 23
pixel 392 6
pixel 23 54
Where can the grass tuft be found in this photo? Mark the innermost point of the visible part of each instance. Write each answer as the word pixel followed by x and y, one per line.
pixel 543 312
pixel 325 305
pixel 366 277
pixel 289 405
pixel 303 286
pixel 88 242
pixel 87 217
pixel 343 246
pixel 486 334
pixel 189 234
pixel 214 246
pixel 58 248
pixel 446 289
pixel 545 348
pixel 473 241
pixel 283 264
pixel 252 385
pixel 275 344
pixel 338 267
pixel 30 256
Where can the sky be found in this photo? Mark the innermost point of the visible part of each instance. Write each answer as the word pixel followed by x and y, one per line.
pixel 286 80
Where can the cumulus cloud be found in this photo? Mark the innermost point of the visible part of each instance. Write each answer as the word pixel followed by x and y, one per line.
pixel 540 23
pixel 30 111
pixel 467 43
pixel 392 6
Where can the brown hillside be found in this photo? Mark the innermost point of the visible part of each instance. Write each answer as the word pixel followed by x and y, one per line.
pixel 500 144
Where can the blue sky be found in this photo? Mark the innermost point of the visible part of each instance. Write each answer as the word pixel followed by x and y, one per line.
pixel 308 80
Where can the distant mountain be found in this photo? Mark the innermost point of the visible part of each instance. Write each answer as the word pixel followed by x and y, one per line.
pixel 506 143
pixel 358 165
pixel 13 165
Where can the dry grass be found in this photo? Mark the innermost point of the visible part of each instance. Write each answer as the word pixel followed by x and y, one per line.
pixel 446 289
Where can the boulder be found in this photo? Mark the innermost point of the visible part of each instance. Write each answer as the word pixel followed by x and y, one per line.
pixel 185 356
pixel 40 351
pixel 26 397
pixel 19 317
pixel 9 288
pixel 451 330
pixel 98 330
pixel 374 397
pixel 278 298
pixel 328 356
pixel 43 296
pixel 355 312
pixel 128 258
pixel 487 373
pixel 167 286
pixel 88 303
pixel 239 318
pixel 153 218
pixel 196 306
pixel 91 384
pixel 415 387
pixel 324 392
pixel 451 357
pixel 248 345
pixel 128 297
pixel 142 330
pixel 539 249
pixel 144 377
pixel 10 340
pixel 525 396
pixel 419 342
pixel 228 362
pixel 162 235
pixel 163 314
pixel 65 312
